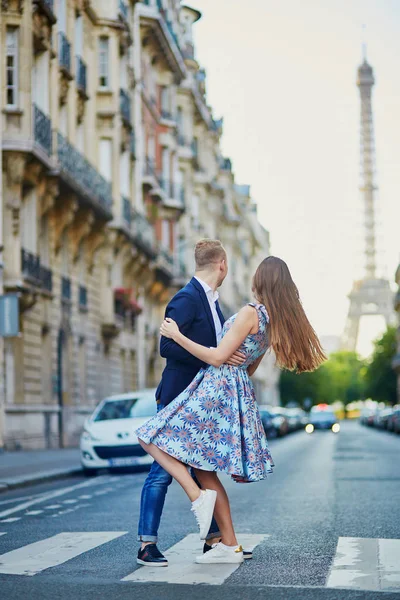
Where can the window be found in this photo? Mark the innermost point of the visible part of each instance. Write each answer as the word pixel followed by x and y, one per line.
pixel 29 222
pixel 104 63
pixel 125 174
pixel 62 16
pixel 12 67
pixel 105 165
pixel 79 36
pixel 40 81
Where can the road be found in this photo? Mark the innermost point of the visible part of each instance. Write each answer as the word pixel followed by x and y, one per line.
pixel 325 525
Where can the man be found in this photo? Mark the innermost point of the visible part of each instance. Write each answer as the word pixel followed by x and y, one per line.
pixel 196 310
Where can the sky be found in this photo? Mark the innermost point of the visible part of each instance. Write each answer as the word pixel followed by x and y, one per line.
pixel 283 76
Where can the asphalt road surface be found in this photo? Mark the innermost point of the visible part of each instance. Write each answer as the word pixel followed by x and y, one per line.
pixel 325 525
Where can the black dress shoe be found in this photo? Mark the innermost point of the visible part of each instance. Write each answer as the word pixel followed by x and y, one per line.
pixel 246 553
pixel 150 556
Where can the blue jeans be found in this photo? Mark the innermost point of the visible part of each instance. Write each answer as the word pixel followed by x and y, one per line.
pixel 152 503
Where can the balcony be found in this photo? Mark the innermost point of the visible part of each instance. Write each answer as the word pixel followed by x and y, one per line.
pixel 65 289
pixel 143 234
pixel 82 298
pixel 123 10
pixel 30 267
pixel 47 6
pixel 164 266
pixel 35 273
pixel 126 211
pixel 83 177
pixel 166 114
pixel 81 78
pixel 42 130
pixel 150 176
pixel 125 106
pixel 180 273
pixel 64 52
pixel 154 16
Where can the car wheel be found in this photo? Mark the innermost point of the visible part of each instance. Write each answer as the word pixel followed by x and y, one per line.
pixel 89 472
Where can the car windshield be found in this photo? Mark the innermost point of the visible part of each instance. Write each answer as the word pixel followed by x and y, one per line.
pixel 129 408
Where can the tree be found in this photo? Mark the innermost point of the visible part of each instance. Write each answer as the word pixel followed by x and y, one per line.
pixel 380 379
pixel 339 378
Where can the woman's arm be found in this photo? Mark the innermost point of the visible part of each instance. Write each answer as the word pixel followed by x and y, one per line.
pixel 251 369
pixel 245 322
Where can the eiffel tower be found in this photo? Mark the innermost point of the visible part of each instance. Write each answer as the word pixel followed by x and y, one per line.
pixel 370 295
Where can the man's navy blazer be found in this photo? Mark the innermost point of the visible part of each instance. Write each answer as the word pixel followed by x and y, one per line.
pixel 191 310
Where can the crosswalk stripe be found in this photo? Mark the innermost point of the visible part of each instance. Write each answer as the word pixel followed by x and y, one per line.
pixel 182 568
pixel 11 520
pixel 53 551
pixel 55 494
pixel 366 564
pixel 3 532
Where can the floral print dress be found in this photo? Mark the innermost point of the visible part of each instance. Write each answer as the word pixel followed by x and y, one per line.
pixel 215 424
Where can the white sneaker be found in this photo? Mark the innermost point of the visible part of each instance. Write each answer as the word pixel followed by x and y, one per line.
pixel 203 509
pixel 221 554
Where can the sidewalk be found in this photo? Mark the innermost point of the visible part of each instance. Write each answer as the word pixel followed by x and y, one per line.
pixel 18 469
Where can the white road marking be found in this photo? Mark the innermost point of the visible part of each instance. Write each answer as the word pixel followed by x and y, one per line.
pixel 33 512
pixel 55 494
pixel 182 568
pixel 11 520
pixel 9 501
pixel 71 501
pixel 366 564
pixel 85 497
pixel 53 551
pixel 3 532
pixel 53 506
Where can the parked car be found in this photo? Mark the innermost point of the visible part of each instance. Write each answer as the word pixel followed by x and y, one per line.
pixel 108 439
pixel 295 418
pixel 381 418
pixel 267 419
pixel 322 417
pixel 393 423
pixel 279 420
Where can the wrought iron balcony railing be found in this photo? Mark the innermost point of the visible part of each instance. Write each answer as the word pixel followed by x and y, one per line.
pixel 81 74
pixel 46 278
pixel 125 105
pixel 33 271
pixel 150 170
pixel 82 297
pixel 66 289
pixel 64 52
pixel 166 186
pixel 42 130
pixel 30 266
pixel 143 233
pixel 166 257
pixel 123 10
pixel 81 173
pixel 126 210
pixel 166 114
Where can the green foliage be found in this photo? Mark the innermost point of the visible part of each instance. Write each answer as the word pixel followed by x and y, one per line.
pixel 380 379
pixel 339 378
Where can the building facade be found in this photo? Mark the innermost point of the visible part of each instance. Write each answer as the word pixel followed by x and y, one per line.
pixel 111 171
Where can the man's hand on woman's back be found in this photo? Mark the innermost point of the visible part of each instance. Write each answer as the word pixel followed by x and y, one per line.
pixel 237 359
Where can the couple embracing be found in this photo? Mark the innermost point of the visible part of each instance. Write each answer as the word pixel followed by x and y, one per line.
pixel 208 420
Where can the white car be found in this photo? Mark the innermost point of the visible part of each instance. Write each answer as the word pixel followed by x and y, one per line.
pixel 108 439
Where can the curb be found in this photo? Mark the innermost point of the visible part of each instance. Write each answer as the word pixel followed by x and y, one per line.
pixel 19 482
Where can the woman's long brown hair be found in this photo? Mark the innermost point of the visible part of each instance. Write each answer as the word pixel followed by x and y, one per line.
pixel 293 340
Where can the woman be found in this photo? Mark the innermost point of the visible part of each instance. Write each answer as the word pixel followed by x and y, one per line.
pixel 214 425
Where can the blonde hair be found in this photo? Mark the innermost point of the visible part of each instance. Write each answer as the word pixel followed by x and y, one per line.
pixel 207 253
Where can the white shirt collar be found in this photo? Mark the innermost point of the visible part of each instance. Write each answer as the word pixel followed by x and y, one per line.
pixel 208 291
